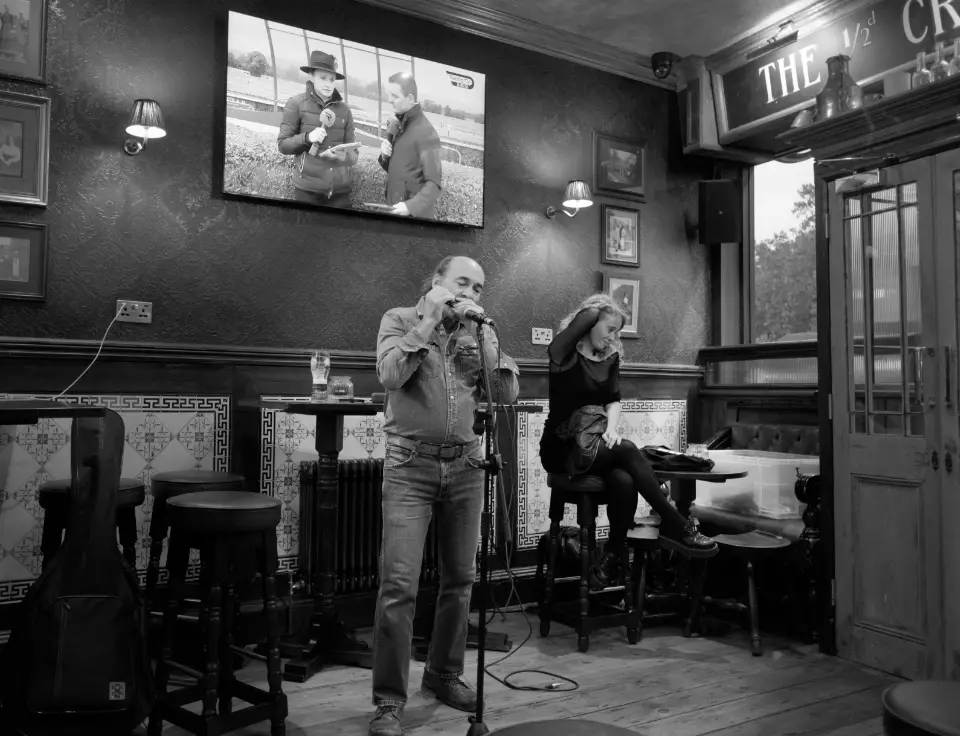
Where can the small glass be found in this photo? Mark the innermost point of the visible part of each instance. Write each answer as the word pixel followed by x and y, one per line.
pixel 320 368
pixel 940 69
pixel 341 388
pixel 697 450
pixel 954 67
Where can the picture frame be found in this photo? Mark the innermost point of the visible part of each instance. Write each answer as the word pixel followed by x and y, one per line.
pixel 626 292
pixel 23 40
pixel 23 260
pixel 24 148
pixel 620 235
pixel 619 167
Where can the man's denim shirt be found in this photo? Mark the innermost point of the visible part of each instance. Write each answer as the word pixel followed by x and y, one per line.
pixel 433 387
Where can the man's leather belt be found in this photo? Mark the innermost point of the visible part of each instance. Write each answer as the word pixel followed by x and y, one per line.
pixel 431 449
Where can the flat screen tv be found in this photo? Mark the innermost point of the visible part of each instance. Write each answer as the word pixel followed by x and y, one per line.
pixel 328 122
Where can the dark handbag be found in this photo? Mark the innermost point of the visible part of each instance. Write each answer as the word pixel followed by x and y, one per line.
pixel 665 459
pixel 77 660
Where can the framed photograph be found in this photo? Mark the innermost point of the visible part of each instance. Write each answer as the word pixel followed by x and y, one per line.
pixel 23 260
pixel 400 134
pixel 24 148
pixel 620 235
pixel 626 293
pixel 618 167
pixel 23 40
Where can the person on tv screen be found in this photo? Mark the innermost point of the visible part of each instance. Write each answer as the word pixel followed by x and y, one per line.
pixel 410 154
pixel 316 125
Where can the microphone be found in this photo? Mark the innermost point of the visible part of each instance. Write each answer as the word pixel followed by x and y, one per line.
pixel 393 125
pixel 466 310
pixel 327 118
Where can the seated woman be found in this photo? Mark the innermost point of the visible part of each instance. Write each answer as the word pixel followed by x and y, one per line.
pixel 580 434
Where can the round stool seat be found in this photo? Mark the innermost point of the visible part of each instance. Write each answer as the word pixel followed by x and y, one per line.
pixel 223 511
pixel 922 709
pixel 130 492
pixel 175 482
pixel 585 483
pixel 752 540
pixel 566 727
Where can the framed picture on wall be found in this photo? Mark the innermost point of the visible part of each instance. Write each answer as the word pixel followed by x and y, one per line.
pixel 618 166
pixel 620 235
pixel 23 260
pixel 626 293
pixel 23 40
pixel 24 148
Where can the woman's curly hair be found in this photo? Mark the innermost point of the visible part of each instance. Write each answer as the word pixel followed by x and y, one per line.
pixel 607 306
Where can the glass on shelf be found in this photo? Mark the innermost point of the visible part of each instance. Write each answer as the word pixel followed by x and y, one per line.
pixel 320 368
pixel 954 67
pixel 940 69
pixel 921 75
pixel 341 388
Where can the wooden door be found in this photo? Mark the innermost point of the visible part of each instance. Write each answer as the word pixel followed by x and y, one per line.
pixel 886 419
pixel 947 235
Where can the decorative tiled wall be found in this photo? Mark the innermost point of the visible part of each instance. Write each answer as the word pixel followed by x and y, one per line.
pixel 163 433
pixel 287 439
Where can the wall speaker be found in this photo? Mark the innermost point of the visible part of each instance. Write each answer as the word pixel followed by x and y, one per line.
pixel 721 213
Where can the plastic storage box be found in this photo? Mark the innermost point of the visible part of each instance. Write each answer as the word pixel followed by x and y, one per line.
pixel 766 491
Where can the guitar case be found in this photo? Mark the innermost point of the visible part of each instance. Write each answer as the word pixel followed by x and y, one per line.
pixel 76 663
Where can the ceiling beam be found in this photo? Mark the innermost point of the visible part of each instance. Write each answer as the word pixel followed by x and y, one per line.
pixel 496 25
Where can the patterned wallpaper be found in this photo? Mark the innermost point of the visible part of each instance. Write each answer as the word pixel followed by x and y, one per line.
pixel 225 272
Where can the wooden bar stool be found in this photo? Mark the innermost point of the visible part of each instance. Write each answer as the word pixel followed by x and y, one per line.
pixel 749 546
pixel 165 486
pixel 587 492
pixel 236 534
pixel 922 709
pixel 54 499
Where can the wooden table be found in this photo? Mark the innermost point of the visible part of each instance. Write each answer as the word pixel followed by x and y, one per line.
pixel 30 411
pixel 330 643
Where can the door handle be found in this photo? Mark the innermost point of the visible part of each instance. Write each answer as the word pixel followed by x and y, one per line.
pixel 917 355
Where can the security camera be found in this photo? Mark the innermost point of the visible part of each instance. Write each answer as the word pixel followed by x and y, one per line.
pixel 662 62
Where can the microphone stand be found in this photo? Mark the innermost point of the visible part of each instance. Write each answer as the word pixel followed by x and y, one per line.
pixel 491 466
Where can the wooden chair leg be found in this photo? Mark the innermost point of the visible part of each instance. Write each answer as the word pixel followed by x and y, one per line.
pixel 212 600
pixel 551 572
pixel 641 559
pixel 633 628
pixel 177 559
pixel 697 582
pixel 587 542
pixel 756 645
pixel 225 687
pixel 268 564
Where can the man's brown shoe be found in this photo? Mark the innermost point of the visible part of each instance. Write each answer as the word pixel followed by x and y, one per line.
pixel 454 692
pixel 387 721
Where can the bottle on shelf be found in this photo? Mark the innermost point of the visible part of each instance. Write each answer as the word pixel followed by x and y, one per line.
pixel 954 67
pixel 921 75
pixel 940 69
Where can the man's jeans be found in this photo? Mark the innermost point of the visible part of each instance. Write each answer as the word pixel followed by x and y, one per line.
pixel 415 488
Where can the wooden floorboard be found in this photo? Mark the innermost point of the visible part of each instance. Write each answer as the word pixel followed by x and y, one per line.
pixel 664 686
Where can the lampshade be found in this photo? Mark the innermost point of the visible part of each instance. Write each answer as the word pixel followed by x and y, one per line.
pixel 577 195
pixel 146 120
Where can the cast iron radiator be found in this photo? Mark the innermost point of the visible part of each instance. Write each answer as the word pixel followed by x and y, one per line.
pixel 357 540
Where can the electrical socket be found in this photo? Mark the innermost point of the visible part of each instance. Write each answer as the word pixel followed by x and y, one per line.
pixel 542 336
pixel 133 311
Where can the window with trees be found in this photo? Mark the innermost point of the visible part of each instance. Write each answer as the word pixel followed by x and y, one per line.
pixel 784 253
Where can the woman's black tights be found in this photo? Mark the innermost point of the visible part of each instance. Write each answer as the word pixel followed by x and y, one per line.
pixel 626 472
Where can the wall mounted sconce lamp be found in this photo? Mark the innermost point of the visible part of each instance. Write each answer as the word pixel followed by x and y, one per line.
pixel 577 196
pixel 146 122
pixel 786 34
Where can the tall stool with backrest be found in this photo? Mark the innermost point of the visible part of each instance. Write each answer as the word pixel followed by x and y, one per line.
pixel 165 486
pixel 920 708
pixel 54 498
pixel 236 534
pixel 587 492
